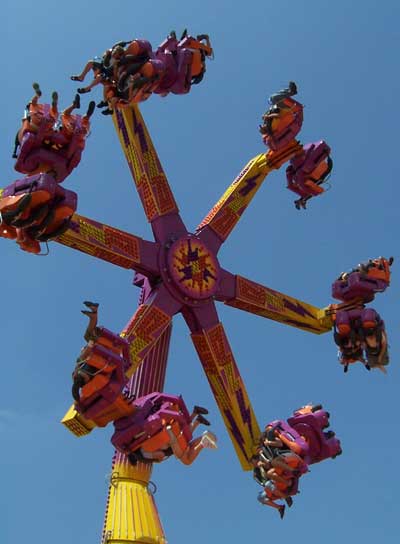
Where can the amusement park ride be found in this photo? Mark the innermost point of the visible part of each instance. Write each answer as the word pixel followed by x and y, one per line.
pixel 119 378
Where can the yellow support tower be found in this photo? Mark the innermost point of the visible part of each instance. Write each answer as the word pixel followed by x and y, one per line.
pixel 131 513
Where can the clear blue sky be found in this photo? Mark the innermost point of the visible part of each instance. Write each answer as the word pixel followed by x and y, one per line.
pixel 344 57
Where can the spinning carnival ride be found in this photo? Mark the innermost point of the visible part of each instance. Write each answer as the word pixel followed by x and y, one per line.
pixel 179 272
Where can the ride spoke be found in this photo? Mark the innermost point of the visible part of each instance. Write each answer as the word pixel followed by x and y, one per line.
pixel 226 383
pixel 223 217
pixel 110 244
pixel 150 180
pixel 255 298
pixel 148 323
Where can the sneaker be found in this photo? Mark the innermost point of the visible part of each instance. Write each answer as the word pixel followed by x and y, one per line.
pixel 91 108
pixel 289 501
pixel 209 440
pixel 92 305
pixel 77 101
pixel 282 511
pixel 54 99
pixel 316 408
pixel 292 88
pixel 36 88
pixel 200 410
pixel 201 419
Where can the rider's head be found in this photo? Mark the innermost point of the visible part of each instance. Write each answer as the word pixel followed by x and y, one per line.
pixel 117 52
pixel 254 460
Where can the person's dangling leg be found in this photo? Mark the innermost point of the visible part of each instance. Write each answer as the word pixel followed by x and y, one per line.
pixel 54 104
pixel 90 332
pixel 76 104
pixel 86 70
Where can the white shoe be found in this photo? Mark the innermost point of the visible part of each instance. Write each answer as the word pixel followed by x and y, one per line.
pixel 209 440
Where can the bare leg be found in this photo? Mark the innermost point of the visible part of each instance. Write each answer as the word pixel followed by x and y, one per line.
pixel 280 494
pixel 90 110
pixel 192 451
pixel 178 452
pixel 75 104
pixel 194 424
pixel 90 333
pixel 207 440
pixel 272 475
pixel 98 79
pixel 38 93
pixel 54 103
pixel 188 455
pixel 263 499
pixel 279 507
pixel 199 420
pixel 82 75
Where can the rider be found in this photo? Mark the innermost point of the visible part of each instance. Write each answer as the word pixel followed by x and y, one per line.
pixel 359 329
pixel 276 98
pixel 103 64
pixel 33 116
pixel 350 347
pixel 277 103
pixel 69 121
pixel 83 372
pixel 272 493
pixel 186 455
pixel 265 470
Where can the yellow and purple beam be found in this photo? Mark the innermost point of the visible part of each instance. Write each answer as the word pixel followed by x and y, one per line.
pixel 145 166
pixel 223 217
pixel 212 346
pixel 252 297
pixel 147 325
pixel 112 245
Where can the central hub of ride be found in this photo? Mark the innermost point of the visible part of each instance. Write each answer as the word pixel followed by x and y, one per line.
pixel 192 268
